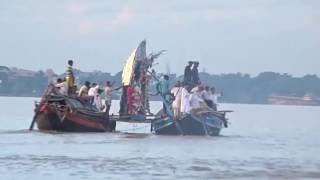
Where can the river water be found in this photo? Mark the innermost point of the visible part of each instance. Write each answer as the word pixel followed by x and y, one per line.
pixel 263 142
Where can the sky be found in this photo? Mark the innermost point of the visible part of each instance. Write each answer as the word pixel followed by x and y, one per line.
pixel 226 36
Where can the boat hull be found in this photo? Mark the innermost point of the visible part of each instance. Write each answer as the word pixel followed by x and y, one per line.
pixel 49 119
pixel 57 112
pixel 201 125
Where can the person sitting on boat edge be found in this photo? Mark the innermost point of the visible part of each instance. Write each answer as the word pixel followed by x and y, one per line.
pixel 83 92
pixel 70 77
pixel 176 91
pixel 62 86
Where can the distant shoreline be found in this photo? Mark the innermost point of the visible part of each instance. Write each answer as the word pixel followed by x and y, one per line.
pixel 239 88
pixel 264 104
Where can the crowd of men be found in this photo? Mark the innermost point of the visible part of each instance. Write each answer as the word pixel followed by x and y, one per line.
pixel 190 94
pixel 187 98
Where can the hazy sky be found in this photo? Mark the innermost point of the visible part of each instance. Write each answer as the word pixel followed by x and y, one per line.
pixel 248 36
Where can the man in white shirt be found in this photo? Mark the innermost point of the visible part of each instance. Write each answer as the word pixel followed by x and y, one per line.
pixel 196 98
pixel 97 102
pixel 93 90
pixel 214 97
pixel 185 100
pixel 62 86
pixel 176 104
pixel 94 93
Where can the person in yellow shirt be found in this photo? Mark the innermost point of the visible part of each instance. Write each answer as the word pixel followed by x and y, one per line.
pixel 70 77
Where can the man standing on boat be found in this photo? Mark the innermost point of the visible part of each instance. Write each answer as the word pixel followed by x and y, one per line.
pixel 195 74
pixel 108 95
pixel 163 88
pixel 188 73
pixel 70 77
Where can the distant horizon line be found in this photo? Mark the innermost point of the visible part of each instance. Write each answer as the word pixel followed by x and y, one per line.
pixel 178 74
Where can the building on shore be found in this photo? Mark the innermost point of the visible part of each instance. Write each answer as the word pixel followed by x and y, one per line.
pixel 306 100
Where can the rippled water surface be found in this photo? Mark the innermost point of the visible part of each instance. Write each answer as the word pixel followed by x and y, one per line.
pixel 263 142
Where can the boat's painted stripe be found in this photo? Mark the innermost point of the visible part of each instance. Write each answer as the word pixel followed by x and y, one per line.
pixel 85 122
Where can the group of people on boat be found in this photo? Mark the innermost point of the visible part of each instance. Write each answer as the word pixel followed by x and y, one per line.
pixel 134 98
pixel 89 93
pixel 188 98
pixel 82 109
pixel 185 96
pixel 188 95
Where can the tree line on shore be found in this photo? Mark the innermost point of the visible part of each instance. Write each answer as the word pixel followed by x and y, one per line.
pixel 236 87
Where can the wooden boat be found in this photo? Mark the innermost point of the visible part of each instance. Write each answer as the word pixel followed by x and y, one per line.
pixel 200 122
pixel 69 114
pixel 204 122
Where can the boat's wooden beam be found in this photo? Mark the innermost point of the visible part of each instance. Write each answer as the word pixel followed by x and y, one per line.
pixel 131 121
pixel 226 111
